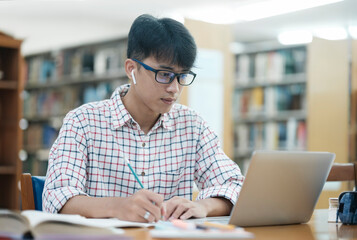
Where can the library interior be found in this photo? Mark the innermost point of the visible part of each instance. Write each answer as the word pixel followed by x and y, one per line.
pixel 271 75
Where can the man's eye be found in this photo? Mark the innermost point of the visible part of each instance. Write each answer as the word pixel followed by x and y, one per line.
pixel 166 74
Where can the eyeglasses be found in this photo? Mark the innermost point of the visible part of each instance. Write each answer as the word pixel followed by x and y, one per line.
pixel 166 77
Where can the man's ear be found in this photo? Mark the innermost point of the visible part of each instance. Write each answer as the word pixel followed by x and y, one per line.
pixel 129 68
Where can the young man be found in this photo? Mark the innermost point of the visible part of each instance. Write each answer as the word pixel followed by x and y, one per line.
pixel 168 145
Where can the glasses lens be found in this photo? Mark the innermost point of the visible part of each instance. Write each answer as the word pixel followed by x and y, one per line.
pixel 164 76
pixel 186 78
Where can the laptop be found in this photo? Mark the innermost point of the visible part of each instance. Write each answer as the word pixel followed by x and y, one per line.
pixel 281 187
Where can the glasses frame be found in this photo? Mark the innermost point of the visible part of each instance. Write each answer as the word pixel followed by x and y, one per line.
pixel 178 75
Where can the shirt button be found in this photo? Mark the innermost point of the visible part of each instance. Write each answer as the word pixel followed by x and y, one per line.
pixel 143 145
pixel 142 173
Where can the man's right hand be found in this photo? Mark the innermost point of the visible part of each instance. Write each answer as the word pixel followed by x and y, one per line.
pixel 135 207
pixel 131 208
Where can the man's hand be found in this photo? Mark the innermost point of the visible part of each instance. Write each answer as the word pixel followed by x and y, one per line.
pixel 135 207
pixel 181 208
pixel 132 208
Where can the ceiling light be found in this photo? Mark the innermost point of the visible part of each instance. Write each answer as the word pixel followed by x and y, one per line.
pixel 269 8
pixel 295 37
pixel 352 30
pixel 332 33
pixel 216 14
pixel 236 47
pixel 233 13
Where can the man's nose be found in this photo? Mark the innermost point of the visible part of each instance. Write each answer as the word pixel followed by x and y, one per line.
pixel 174 86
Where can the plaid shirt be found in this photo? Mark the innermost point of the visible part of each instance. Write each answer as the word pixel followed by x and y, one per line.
pixel 180 149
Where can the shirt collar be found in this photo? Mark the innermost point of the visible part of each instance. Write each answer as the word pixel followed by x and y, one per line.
pixel 121 115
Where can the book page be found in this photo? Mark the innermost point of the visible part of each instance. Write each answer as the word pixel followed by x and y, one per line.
pixel 37 217
pixel 12 224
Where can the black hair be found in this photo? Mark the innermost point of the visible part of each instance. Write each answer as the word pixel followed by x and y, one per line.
pixel 164 39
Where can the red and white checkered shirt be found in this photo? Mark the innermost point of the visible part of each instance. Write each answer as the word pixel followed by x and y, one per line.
pixel 87 157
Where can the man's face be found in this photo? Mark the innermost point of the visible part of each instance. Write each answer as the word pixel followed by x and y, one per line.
pixel 156 97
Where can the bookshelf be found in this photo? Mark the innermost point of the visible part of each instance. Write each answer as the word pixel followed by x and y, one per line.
pixel 325 73
pixel 11 85
pixel 59 81
pixel 269 100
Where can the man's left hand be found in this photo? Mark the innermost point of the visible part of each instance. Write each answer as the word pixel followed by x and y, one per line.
pixel 181 208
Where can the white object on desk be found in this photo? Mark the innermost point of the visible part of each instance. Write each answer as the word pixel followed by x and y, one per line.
pixel 332 210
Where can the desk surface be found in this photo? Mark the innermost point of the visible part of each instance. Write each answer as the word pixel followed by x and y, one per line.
pixel 316 229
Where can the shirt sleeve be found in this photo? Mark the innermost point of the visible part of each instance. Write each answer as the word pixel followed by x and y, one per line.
pixel 66 173
pixel 216 175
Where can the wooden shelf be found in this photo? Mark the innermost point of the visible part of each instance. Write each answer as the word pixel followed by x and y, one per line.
pixel 290 79
pixel 8 84
pixel 11 112
pixel 60 81
pixel 7 41
pixel 83 79
pixel 248 152
pixel 270 99
pixel 7 170
pixel 45 118
pixel 279 116
pixel 266 46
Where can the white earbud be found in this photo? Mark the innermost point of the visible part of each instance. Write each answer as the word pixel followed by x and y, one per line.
pixel 132 74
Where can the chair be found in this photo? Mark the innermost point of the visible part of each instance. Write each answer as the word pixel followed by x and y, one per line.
pixel 31 191
pixel 343 172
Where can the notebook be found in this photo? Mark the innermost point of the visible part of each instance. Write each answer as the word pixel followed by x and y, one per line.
pixel 281 187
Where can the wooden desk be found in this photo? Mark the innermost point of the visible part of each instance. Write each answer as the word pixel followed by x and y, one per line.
pixel 316 229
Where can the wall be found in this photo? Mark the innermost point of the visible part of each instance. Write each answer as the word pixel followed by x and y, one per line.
pixel 328 104
pixel 217 37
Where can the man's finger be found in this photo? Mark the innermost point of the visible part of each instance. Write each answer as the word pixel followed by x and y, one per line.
pixel 170 208
pixel 181 209
pixel 188 214
pixel 156 198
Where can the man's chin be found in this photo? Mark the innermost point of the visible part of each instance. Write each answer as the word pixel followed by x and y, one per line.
pixel 166 110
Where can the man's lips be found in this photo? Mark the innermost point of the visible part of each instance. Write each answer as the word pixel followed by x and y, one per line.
pixel 168 100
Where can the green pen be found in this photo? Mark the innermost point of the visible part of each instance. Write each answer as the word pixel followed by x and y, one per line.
pixel 133 172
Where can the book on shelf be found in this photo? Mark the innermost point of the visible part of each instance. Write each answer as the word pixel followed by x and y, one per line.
pixel 301 135
pixel 96 93
pixel 275 67
pixel 38 136
pixel 109 59
pixel 260 67
pixel 270 66
pixel 242 138
pixel 42 225
pixel 242 70
pixel 54 102
pixel 87 61
pixel 270 101
pixel 257 100
pixel 281 135
pixel 271 140
pixel 75 63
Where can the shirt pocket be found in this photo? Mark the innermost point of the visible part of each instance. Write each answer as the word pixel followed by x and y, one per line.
pixel 170 182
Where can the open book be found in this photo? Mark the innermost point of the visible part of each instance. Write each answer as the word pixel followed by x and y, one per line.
pixel 42 225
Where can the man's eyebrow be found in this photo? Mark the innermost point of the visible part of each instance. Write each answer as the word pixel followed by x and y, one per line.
pixel 171 68
pixel 166 67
